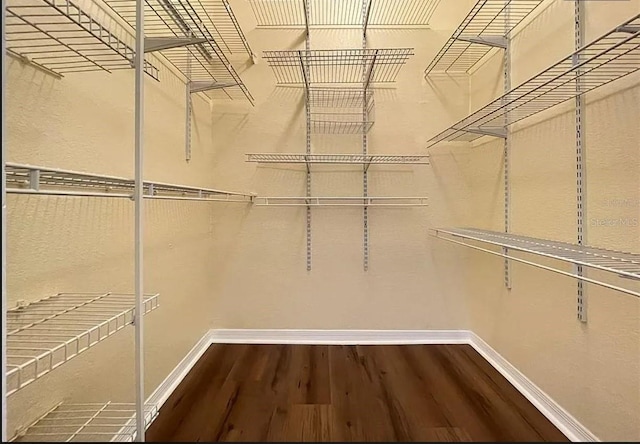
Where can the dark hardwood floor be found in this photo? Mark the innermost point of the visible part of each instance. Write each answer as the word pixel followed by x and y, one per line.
pixel 347 393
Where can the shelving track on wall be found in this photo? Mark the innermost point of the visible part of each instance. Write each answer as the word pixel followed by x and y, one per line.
pixel 339 159
pixel 188 35
pixel 92 422
pixel 622 264
pixel 341 201
pixel 29 179
pixel 487 26
pixel 61 37
pixel 337 65
pixel 44 334
pixel 345 13
pixel 612 56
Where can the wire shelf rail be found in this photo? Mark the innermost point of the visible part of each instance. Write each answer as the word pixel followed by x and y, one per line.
pixel 610 57
pixel 346 13
pixel 89 422
pixel 486 26
pixel 49 332
pixel 60 37
pixel 29 179
pixel 337 66
pixel 623 264
pixel 344 159
pixel 202 61
pixel 341 201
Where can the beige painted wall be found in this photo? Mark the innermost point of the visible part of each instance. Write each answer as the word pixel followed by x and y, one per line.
pixel 592 369
pixel 220 266
pixel 84 122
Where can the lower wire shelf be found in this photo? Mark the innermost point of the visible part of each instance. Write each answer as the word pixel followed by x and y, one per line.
pixel 92 422
pixel 623 264
pixel 49 332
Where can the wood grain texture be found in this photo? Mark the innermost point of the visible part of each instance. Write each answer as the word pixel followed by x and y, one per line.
pixel 347 393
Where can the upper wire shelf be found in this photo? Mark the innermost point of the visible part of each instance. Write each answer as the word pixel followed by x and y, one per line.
pixel 89 422
pixel 29 179
pixel 486 26
pixel 339 159
pixel 347 13
pixel 341 201
pixel 610 57
pixel 60 37
pixel 218 32
pixel 47 333
pixel 340 110
pixel 337 65
pixel 623 264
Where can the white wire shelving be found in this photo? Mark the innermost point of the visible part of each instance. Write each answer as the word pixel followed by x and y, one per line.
pixel 61 37
pixel 337 65
pixel 341 201
pixel 195 37
pixel 622 264
pixel 338 159
pixel 340 110
pixel 345 13
pixel 89 422
pixel 44 334
pixel 487 26
pixel 612 56
pixel 29 179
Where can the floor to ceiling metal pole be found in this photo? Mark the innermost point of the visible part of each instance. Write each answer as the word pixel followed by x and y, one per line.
pixel 507 146
pixel 4 237
pixel 138 223
pixel 581 177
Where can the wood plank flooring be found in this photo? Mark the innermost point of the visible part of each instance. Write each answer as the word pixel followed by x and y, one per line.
pixel 347 393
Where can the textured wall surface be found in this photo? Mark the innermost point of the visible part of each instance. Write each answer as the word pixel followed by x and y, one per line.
pixel 226 266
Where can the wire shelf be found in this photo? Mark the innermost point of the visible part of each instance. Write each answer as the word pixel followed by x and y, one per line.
pixel 91 422
pixel 620 263
pixel 29 179
pixel 337 66
pixel 340 110
pixel 60 37
pixel 348 13
pixel 341 201
pixel 47 333
pixel 200 19
pixel 345 159
pixel 612 56
pixel 488 23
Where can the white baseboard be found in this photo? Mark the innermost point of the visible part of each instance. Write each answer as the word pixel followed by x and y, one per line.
pixel 171 382
pixel 564 421
pixel 339 337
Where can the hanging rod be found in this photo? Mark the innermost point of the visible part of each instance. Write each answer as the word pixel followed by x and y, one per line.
pixel 622 264
pixel 346 159
pixel 44 334
pixel 486 26
pixel 341 201
pixel 211 20
pixel 60 37
pixel 29 179
pixel 612 56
